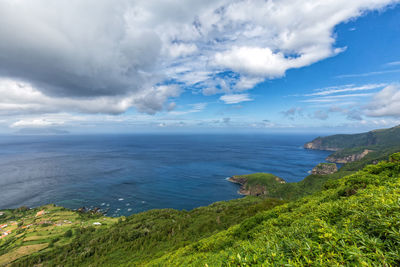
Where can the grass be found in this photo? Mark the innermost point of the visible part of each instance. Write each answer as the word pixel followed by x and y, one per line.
pixel 20 252
pixel 141 237
pixel 354 221
pixel 29 232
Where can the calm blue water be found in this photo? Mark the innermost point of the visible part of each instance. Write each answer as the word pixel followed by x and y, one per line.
pixel 126 174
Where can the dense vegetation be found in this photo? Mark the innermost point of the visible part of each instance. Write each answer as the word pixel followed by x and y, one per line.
pixel 41 229
pixel 292 191
pixel 377 139
pixel 354 221
pixel 138 238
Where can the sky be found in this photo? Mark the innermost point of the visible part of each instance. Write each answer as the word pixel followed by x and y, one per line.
pixel 131 66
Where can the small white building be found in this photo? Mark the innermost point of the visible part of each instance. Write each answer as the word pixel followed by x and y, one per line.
pixel 96 223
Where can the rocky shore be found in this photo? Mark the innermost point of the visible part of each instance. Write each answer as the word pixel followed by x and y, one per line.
pixel 348 158
pixel 324 169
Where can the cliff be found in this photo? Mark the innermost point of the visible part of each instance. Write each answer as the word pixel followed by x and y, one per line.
pixel 354 147
pixel 318 144
pixel 348 158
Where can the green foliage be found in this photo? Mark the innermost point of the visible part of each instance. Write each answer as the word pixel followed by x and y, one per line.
pixel 68 233
pixel 291 191
pixel 383 138
pixel 395 157
pixel 22 209
pixel 267 179
pixel 142 237
pixel 354 221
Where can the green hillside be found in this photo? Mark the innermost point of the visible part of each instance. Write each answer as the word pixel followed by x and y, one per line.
pixel 117 241
pixel 377 138
pixel 354 221
pixel 351 220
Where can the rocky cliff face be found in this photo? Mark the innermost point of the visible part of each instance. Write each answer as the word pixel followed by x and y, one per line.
pixel 316 144
pixel 349 158
pixel 324 169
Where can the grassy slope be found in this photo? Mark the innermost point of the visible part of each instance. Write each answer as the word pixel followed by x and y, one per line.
pixel 262 179
pixel 148 235
pixel 353 221
pixel 31 234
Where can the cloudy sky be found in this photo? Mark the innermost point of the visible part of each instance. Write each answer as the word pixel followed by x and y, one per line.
pixel 128 66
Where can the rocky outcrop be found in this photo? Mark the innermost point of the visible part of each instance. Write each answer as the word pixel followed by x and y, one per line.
pixel 324 169
pixel 348 158
pixel 253 189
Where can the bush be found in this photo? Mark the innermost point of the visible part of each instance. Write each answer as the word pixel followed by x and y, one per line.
pixel 395 157
pixel 68 233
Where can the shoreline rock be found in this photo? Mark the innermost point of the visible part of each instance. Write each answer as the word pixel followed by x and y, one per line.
pixel 349 158
pixel 324 169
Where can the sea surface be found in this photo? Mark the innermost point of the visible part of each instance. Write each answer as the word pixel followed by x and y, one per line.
pixel 126 174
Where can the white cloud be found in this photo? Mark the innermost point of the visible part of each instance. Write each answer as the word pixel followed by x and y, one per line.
pixel 107 56
pixel 385 102
pixel 336 98
pixel 394 63
pixel 34 123
pixel 22 98
pixel 197 107
pixel 367 74
pixel 245 83
pixel 345 88
pixel 179 50
pixel 235 98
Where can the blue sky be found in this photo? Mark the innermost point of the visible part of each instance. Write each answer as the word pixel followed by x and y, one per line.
pixel 328 68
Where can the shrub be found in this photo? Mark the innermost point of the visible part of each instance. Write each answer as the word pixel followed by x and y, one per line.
pixel 68 233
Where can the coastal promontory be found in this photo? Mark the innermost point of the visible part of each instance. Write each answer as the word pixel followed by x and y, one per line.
pixel 257 184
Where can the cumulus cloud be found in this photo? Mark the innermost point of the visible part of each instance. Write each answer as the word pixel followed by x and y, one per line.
pixel 385 103
pixel 22 98
pixel 106 56
pixel 235 98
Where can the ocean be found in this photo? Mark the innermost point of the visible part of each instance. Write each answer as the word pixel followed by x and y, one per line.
pixel 126 174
